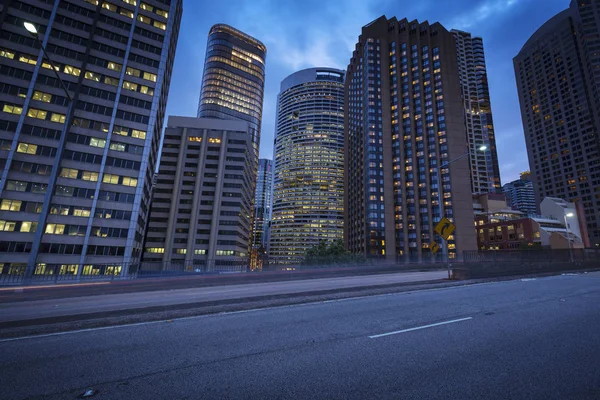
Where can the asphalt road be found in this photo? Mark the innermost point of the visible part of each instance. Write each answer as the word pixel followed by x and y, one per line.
pixel 524 339
pixel 48 308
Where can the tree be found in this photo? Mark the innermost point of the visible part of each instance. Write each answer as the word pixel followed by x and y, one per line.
pixel 327 254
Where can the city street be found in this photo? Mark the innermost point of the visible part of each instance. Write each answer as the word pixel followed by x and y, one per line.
pixel 533 338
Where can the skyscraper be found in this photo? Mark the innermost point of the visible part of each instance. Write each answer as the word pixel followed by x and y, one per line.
pixel 519 196
pixel 201 210
pixel 77 169
pixel 485 173
pixel 234 78
pixel 309 162
pixel 403 119
pixel 561 119
pixel 263 201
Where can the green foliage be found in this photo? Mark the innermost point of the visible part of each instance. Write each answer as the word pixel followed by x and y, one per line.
pixel 328 254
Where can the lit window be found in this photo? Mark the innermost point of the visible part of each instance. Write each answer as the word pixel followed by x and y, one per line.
pixel 48 66
pixel 181 251
pixel 41 96
pixel 147 90
pixel 109 7
pixel 35 113
pixel 69 173
pixel 95 142
pixel 69 69
pixel 162 13
pixel 89 176
pixel 138 134
pixel 127 181
pixel 26 148
pixel 133 72
pixel 160 25
pixel 27 59
pixel 159 250
pixel 55 229
pixel 130 85
pixel 111 81
pixel 92 76
pixel 12 109
pixel 113 179
pixel 214 140
pixel 132 2
pixel 7 54
pixel 10 205
pixel 126 13
pixel 114 66
pixel 81 212
pixel 149 77
pixel 7 226
pixel 117 146
pixel 143 19
pixel 28 226
pixel 195 139
pixel 94 2
pixel 56 117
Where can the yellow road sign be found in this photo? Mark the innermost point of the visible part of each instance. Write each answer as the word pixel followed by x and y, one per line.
pixel 434 247
pixel 445 228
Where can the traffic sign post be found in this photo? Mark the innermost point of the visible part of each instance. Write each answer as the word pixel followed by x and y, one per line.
pixel 434 247
pixel 445 228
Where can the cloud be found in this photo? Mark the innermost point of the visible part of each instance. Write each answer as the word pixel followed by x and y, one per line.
pixel 489 8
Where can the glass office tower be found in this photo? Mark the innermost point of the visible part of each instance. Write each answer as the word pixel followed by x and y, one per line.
pixel 309 164
pixel 77 169
pixel 234 78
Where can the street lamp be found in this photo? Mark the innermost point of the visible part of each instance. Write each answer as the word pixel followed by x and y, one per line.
pixel 481 148
pixel 37 239
pixel 569 215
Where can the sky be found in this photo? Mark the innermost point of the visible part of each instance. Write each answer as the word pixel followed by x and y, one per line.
pixel 315 33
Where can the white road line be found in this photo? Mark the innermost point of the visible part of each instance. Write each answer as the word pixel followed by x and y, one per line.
pixel 419 327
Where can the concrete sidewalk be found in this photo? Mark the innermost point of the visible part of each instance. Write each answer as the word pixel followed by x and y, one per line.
pixel 13 312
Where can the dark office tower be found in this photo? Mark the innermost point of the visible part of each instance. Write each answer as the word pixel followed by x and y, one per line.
pixel 76 181
pixel 403 118
pixel 308 187
pixel 560 118
pixel 519 196
pixel 201 209
pixel 262 203
pixel 485 174
pixel 234 78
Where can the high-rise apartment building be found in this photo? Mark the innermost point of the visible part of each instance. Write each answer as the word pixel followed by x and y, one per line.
pixel 485 173
pixel 561 119
pixel 263 201
pixel 519 196
pixel 77 169
pixel 403 119
pixel 234 78
pixel 309 163
pixel 201 208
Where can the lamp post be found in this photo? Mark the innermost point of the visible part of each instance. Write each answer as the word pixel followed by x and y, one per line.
pixel 569 215
pixel 37 239
pixel 440 198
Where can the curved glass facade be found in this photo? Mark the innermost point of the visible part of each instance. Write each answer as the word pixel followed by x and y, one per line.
pixel 308 192
pixel 234 78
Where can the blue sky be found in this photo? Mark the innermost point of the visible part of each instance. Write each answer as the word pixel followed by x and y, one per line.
pixel 311 33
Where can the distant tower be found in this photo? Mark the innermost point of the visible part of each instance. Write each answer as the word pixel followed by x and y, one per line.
pixel 520 196
pixel 234 78
pixel 485 173
pixel 262 203
pixel 309 163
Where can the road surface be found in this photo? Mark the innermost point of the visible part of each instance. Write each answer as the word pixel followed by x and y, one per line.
pixel 48 308
pixel 523 339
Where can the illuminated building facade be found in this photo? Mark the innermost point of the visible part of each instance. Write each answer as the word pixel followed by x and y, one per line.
pixel 557 74
pixel 485 173
pixel 309 161
pixel 404 118
pixel 234 78
pixel 263 201
pixel 201 207
pixel 76 181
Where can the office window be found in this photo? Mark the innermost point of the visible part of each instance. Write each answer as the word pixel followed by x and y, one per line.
pixel 55 229
pixel 95 142
pixel 10 205
pixel 69 173
pixel 89 176
pixel 108 178
pixel 92 76
pixel 7 226
pixel 114 66
pixel 12 109
pixel 160 25
pixel 35 113
pixel 59 118
pixel 41 96
pixel 133 72
pixel 149 77
pixel 26 148
pixel 130 86
pixel 127 181
pixel 69 69
pixel 144 19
